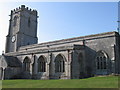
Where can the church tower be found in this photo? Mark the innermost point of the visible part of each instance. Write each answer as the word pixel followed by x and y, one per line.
pixel 22 28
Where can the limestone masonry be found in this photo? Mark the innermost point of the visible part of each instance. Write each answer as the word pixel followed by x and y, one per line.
pixel 71 58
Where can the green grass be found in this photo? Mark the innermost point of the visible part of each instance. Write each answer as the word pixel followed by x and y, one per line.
pixel 0 84
pixel 94 82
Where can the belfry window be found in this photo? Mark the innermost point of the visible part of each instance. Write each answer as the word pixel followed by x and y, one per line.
pixel 41 64
pixel 101 61
pixel 15 21
pixel 59 63
pixel 29 22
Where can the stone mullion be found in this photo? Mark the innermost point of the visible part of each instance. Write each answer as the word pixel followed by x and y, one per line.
pixel 102 63
pixel 104 59
pixel 26 66
pixel 62 66
pixel 38 66
pixel 56 66
pixel 99 63
pixel 42 66
pixel 105 63
pixel 59 66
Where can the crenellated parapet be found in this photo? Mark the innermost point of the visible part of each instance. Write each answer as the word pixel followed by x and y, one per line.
pixel 22 28
pixel 23 8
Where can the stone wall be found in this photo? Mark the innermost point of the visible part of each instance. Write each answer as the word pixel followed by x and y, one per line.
pixel 88 46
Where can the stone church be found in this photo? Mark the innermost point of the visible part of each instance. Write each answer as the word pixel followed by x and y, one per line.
pixel 72 58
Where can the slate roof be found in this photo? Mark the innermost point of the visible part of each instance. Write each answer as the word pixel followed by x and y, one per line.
pixel 12 61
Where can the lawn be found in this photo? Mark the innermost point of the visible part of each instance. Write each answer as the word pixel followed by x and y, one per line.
pixel 0 84
pixel 93 82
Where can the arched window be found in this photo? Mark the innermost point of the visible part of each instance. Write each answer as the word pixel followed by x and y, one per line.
pixel 29 22
pixel 41 64
pixel 15 21
pixel 59 63
pixel 26 63
pixel 101 60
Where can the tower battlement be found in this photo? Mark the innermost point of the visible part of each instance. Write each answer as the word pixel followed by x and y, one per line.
pixel 23 8
pixel 22 28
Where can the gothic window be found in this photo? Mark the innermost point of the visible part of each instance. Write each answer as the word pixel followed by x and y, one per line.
pixel 15 21
pixel 59 63
pixel 26 63
pixel 29 22
pixel 41 64
pixel 101 61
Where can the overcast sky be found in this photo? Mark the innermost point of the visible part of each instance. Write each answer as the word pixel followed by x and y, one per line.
pixel 61 20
